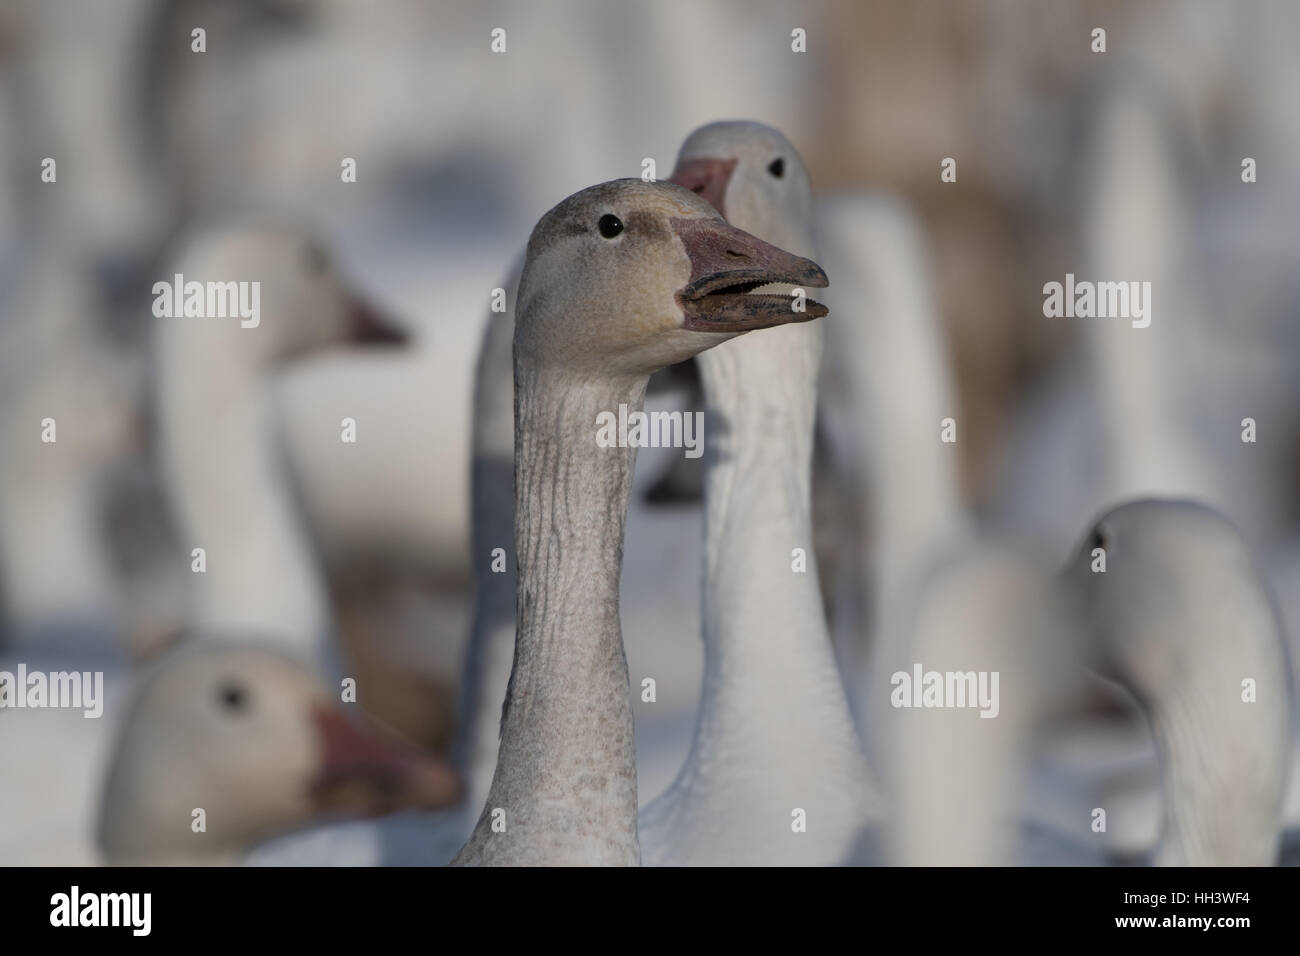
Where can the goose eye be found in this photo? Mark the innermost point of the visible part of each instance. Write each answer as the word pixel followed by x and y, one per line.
pixel 232 697
pixel 314 259
pixel 609 226
pixel 777 167
pixel 1099 540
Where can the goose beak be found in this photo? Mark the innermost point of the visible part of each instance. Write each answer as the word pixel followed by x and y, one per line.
pixel 369 326
pixel 727 265
pixel 707 178
pixel 368 773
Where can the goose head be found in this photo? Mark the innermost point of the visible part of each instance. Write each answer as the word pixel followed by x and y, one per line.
pixel 1169 564
pixel 305 303
pixel 1181 616
pixel 629 276
pixel 253 739
pixel 752 175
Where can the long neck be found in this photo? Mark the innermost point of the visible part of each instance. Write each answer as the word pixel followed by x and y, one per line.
pixel 231 499
pixel 565 785
pixel 1223 764
pixel 774 732
pixel 762 606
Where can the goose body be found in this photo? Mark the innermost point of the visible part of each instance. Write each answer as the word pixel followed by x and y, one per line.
pixel 891 365
pixel 774 737
pixel 960 777
pixel 619 280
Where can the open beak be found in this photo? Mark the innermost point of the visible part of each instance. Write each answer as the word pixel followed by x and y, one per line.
pixel 707 178
pixel 727 265
pixel 369 326
pixel 367 772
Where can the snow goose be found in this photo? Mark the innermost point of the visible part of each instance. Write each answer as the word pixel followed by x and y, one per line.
pixel 888 389
pixel 218 435
pixel 754 763
pixel 1183 619
pixel 250 737
pixel 620 280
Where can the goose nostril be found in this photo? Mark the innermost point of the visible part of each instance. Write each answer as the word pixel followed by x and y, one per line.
pixel 698 189
pixel 736 255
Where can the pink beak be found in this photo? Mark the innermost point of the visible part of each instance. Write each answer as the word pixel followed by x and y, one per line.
pixel 707 178
pixel 366 771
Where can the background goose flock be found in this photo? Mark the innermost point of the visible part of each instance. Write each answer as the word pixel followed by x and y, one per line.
pixel 355 579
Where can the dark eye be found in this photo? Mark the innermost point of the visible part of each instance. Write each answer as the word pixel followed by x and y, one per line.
pixel 609 225
pixel 232 696
pixel 1099 540
pixel 777 167
pixel 314 259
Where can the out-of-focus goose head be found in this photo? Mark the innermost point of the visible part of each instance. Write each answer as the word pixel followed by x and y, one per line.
pixel 254 740
pixel 1182 617
pixel 753 176
pixel 304 303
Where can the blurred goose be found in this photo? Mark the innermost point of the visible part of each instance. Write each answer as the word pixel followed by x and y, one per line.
pixel 961 788
pixel 1183 619
pixel 218 432
pixel 888 388
pixel 1132 410
pixel 752 764
pixel 250 737
pixel 620 280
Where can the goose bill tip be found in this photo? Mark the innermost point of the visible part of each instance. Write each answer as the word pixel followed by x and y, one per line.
pixel 369 326
pixel 362 771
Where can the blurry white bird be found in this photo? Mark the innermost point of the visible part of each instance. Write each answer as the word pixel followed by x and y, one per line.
pixel 1140 411
pixel 890 390
pixel 225 745
pixel 1182 618
pixel 218 432
pixel 961 787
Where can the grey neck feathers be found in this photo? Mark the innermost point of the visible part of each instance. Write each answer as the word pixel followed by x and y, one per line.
pixel 566 775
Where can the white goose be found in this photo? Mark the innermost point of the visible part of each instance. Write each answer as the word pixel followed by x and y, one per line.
pixel 960 786
pixel 218 441
pixel 1182 618
pixel 259 582
pixel 620 280
pixel 774 738
pixel 893 369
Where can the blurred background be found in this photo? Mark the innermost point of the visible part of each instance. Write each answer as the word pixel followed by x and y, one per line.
pixel 1122 165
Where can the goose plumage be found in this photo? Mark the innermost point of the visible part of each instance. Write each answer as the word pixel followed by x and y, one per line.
pixel 1183 618
pixel 774 735
pixel 619 280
